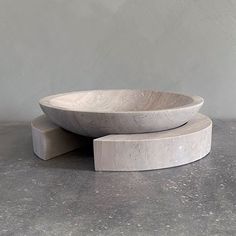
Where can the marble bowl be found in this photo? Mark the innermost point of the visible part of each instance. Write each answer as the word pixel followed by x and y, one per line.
pixel 97 113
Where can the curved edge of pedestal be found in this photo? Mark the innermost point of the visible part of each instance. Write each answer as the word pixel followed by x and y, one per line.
pixel 49 140
pixel 138 152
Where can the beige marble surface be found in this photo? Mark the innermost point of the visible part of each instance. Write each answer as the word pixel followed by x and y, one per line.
pixel 97 113
pixel 49 140
pixel 135 152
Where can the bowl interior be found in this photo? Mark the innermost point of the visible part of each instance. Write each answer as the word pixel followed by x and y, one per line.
pixel 118 100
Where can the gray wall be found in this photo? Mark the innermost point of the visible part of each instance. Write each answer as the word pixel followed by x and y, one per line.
pixel 51 46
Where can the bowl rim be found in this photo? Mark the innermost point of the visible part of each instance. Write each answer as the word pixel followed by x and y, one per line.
pixel 197 101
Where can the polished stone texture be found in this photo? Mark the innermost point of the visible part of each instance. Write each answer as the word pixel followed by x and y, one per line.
pixel 158 150
pixel 64 196
pixel 50 141
pixel 131 152
pixel 96 113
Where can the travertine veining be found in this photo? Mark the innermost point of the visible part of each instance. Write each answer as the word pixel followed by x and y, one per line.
pixel 49 140
pixel 132 152
pixel 97 113
pixel 135 152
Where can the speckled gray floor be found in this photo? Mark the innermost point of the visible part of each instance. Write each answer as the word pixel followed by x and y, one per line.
pixel 64 196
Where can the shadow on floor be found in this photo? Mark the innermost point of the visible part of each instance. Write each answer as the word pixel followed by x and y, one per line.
pixel 80 159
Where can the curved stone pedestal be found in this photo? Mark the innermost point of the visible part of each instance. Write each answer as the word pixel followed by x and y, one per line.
pixel 129 152
pixel 135 152
pixel 49 140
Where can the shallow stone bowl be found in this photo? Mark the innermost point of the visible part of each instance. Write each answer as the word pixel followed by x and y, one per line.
pixel 97 113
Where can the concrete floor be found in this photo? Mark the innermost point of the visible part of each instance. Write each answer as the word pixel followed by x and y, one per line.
pixel 64 196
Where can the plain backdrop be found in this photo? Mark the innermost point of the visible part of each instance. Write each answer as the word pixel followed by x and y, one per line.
pixel 52 46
